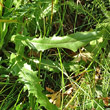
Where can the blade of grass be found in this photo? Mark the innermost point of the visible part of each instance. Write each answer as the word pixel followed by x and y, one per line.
pixel 71 100
pixel 18 99
pixel 1 39
pixel 62 81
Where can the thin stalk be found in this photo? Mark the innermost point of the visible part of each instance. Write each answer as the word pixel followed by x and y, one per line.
pixel 32 101
pixel 75 18
pixel 39 64
pixel 44 28
pixel 51 13
pixel 18 99
pixel 41 51
pixel 62 82
pixel 1 9
pixel 67 105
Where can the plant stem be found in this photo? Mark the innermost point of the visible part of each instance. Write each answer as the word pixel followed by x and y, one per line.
pixel 1 8
pixel 39 64
pixel 62 83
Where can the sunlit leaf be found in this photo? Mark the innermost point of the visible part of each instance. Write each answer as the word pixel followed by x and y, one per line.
pixel 72 41
pixel 31 81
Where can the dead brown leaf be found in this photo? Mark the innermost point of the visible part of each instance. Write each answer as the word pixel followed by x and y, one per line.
pixel 85 56
pixel 58 100
pixel 69 91
pixel 50 90
pixel 106 100
pixel 55 98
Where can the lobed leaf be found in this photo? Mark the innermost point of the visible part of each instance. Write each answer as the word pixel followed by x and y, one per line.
pixel 72 41
pixel 32 83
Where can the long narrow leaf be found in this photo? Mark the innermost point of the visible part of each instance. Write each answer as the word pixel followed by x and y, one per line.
pixel 72 41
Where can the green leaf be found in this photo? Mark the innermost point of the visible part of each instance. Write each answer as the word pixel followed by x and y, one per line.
pixel 32 83
pixel 72 41
pixel 16 63
pixel 3 26
pixel 30 80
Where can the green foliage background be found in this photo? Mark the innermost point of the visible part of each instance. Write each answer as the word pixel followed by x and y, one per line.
pixel 28 32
